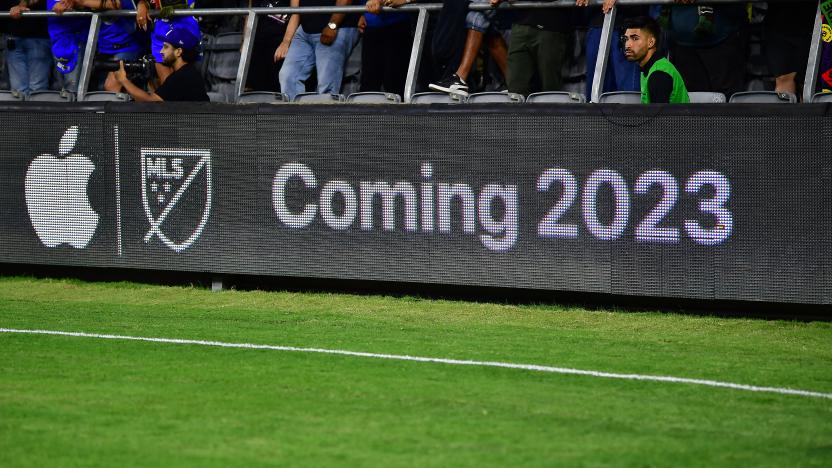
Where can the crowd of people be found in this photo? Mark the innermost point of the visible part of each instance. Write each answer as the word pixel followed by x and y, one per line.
pixel 521 51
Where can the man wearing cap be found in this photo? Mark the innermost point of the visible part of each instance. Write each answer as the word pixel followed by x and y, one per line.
pixel 179 51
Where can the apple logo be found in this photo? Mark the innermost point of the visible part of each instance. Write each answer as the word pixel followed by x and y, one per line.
pixel 56 196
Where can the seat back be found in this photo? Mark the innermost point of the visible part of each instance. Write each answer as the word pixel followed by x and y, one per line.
pixel 495 97
pixel 556 97
pixel 106 96
pixel 705 97
pixel 51 96
pixel 315 98
pixel 262 97
pixel 435 98
pixel 12 96
pixel 763 97
pixel 374 98
pixel 620 97
pixel 822 97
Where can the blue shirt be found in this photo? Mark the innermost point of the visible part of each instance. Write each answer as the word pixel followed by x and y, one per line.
pixel 121 34
pixel 385 19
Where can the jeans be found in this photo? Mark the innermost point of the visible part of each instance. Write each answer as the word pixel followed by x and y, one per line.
pixel 621 74
pixel 29 63
pixel 307 52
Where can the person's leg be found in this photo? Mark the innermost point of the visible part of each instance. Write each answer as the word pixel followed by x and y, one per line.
pixel 397 57
pixel 18 65
pixel 329 60
pixel 550 48
pixel 40 63
pixel 499 52
pixel 521 60
pixel 373 58
pixel 298 64
pixel 473 42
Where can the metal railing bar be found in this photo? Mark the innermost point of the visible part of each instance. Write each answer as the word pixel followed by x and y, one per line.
pixel 416 55
pixel 810 81
pixel 245 54
pixel 603 54
pixel 89 55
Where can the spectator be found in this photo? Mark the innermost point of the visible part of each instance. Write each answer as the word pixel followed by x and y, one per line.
pixel 264 68
pixel 480 27
pixel 537 48
pixel 787 35
pixel 28 55
pixel 161 26
pixel 621 74
pixel 660 81
pixel 385 51
pixel 708 46
pixel 320 42
pixel 185 83
pixel 68 37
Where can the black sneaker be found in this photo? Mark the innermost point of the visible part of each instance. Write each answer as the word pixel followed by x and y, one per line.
pixel 453 85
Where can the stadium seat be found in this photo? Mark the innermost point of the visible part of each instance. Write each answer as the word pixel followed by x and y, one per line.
pixel 262 97
pixel 10 96
pixel 556 97
pixel 106 96
pixel 621 97
pixel 215 96
pixel 763 97
pixel 434 98
pixel 223 61
pixel 51 96
pixel 495 97
pixel 374 98
pixel 705 97
pixel 315 98
pixel 822 97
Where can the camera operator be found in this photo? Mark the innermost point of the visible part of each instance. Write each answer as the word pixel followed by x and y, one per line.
pixel 179 50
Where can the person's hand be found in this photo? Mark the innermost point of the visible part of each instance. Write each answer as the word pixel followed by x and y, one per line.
pixel 495 3
pixel 328 36
pixel 607 6
pixel 142 15
pixel 120 74
pixel 394 3
pixel 281 51
pixel 582 3
pixel 62 6
pixel 362 24
pixel 374 6
pixel 17 10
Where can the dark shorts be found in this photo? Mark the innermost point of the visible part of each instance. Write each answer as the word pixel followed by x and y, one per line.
pixel 787 35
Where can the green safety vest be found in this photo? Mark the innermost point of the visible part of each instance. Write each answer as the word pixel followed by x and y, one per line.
pixel 679 95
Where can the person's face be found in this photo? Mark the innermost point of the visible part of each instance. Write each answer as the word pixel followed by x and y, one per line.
pixel 169 54
pixel 637 43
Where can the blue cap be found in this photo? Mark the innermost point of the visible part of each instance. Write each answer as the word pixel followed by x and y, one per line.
pixel 181 38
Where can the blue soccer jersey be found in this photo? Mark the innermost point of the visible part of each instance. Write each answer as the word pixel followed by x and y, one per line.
pixel 120 35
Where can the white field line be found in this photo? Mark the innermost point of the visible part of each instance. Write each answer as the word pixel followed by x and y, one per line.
pixel 455 362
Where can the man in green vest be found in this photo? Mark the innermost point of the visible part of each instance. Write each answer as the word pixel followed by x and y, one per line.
pixel 660 81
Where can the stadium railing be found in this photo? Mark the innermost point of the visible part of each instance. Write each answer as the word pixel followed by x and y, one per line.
pixel 423 10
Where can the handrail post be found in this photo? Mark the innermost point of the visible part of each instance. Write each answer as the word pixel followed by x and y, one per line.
pixel 89 57
pixel 603 54
pixel 416 55
pixel 245 54
pixel 810 81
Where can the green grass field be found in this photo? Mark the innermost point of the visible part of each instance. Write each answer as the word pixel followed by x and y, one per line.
pixel 87 401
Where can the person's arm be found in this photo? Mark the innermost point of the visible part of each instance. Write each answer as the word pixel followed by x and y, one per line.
pixel 142 14
pixel 17 11
pixel 97 4
pixel 291 28
pixel 660 86
pixel 138 94
pixel 328 35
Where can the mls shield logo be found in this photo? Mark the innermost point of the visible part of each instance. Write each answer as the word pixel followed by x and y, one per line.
pixel 176 193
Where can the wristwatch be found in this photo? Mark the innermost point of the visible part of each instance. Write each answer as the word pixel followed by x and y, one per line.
pixel 332 26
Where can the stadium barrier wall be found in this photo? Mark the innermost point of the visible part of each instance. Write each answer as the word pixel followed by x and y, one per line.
pixel 704 202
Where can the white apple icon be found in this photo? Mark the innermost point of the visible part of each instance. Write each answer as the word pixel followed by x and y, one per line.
pixel 56 196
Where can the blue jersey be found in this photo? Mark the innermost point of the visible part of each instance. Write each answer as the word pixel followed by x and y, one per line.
pixel 162 26
pixel 121 34
pixel 68 35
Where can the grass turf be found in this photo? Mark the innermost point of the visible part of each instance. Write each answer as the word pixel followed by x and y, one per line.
pixel 94 402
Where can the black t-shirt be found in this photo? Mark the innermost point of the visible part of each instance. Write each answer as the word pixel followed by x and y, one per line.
pixel 271 27
pixel 314 24
pixel 184 84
